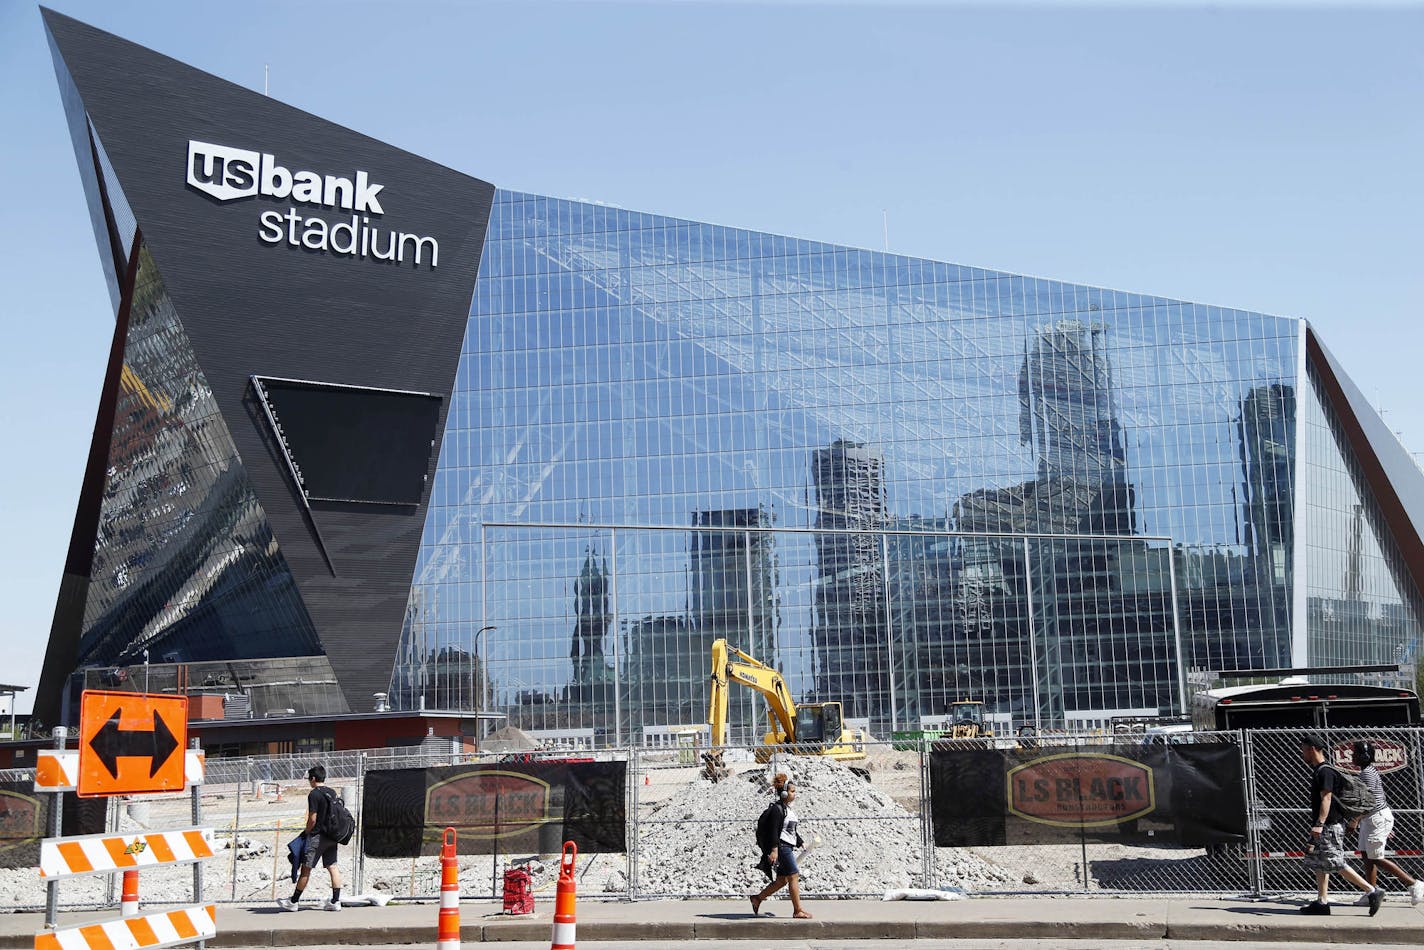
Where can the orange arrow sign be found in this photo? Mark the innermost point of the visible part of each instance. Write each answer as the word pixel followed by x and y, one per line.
pixel 131 743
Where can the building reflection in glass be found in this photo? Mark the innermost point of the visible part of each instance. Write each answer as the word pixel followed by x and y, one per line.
pixel 903 481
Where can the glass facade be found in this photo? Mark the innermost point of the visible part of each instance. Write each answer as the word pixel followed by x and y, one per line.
pixel 903 482
pixel 1361 607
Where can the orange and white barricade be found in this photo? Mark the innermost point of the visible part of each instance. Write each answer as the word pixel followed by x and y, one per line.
pixel 447 937
pixel 565 901
pixel 92 854
pixel 163 929
pixel 57 770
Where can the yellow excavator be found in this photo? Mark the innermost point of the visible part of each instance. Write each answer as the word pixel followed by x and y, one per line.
pixel 807 729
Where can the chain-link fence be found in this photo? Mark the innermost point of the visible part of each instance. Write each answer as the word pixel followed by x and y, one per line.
pixel 1280 807
pixel 869 824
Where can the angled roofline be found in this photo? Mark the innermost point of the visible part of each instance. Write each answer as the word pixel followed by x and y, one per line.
pixel 1394 478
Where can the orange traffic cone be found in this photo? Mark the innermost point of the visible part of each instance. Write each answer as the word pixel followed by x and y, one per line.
pixel 565 900
pixel 448 935
pixel 129 901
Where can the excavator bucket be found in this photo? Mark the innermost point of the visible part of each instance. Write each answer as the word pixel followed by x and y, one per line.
pixel 713 767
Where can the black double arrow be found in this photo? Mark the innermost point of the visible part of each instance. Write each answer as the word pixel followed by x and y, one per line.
pixel 111 743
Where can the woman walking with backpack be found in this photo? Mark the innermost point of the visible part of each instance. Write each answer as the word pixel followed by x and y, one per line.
pixel 777 840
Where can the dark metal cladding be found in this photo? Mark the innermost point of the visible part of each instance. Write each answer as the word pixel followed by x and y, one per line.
pixel 250 307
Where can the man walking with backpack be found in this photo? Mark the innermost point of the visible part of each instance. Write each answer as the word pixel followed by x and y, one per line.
pixel 1325 849
pixel 322 839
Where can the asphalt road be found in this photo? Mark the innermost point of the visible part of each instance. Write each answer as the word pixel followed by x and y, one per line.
pixel 943 945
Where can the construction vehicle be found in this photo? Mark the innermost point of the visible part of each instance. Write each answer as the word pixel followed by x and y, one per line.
pixel 808 729
pixel 966 720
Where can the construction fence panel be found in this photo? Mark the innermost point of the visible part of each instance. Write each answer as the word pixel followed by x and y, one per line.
pixel 258 805
pixel 1281 800
pixel 255 805
pixel 1090 814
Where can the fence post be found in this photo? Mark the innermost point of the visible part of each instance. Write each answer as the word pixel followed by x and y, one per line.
pixel 56 825
pixel 930 867
pixel 1079 744
pixel 1255 874
pixel 358 859
pixel 197 791
pixel 494 848
pixel 111 826
pixel 237 821
pixel 636 766
pixel 1416 747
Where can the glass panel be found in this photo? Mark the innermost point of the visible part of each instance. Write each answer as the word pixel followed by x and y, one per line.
pixel 903 484
pixel 1361 606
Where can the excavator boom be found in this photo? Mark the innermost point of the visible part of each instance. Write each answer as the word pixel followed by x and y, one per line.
pixel 730 665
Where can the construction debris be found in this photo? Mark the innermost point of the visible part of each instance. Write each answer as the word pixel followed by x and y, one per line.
pixel 702 839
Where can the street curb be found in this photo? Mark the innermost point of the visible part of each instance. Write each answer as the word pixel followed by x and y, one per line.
pixel 781 929
pixel 1143 929
pixel 664 924
pixel 1306 930
pixel 786 928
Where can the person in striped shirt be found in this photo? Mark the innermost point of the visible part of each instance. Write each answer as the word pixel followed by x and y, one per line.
pixel 1375 828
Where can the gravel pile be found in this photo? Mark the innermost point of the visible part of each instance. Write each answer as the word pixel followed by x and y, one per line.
pixel 702 838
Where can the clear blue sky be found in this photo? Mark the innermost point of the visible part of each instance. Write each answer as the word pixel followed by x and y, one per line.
pixel 1269 159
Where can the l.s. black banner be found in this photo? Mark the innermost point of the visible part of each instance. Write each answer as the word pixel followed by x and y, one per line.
pixel 530 807
pixel 1189 794
pixel 24 820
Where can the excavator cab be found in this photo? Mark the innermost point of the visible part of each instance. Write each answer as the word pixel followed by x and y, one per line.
pixel 818 722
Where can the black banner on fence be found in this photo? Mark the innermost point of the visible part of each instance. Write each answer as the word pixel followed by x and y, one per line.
pixel 1187 794
pixel 525 807
pixel 24 820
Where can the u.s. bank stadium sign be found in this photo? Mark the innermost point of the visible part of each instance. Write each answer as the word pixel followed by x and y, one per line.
pixel 227 173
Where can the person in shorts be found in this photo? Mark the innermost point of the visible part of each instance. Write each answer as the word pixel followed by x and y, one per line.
pixel 1373 830
pixel 779 840
pixel 1325 848
pixel 317 848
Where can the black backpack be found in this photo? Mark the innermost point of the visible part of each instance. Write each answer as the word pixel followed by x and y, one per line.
pixel 339 826
pixel 1355 798
pixel 766 835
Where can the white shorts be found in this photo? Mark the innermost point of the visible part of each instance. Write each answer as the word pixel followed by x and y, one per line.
pixel 1374 831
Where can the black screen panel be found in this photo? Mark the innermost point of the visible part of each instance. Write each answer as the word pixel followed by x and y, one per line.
pixel 352 443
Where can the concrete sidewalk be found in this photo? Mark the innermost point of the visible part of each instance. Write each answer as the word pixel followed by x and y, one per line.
pixel 982 918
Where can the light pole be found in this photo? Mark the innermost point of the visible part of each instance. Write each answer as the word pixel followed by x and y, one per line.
pixel 480 699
